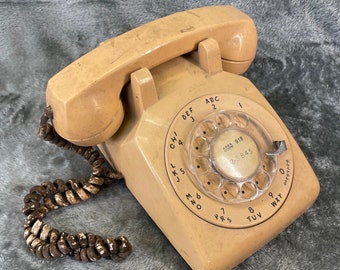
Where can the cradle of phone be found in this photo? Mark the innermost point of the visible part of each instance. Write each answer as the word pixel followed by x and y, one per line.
pixel 200 148
pixel 203 162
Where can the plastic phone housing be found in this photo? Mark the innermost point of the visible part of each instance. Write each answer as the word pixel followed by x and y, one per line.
pixel 201 149
pixel 150 150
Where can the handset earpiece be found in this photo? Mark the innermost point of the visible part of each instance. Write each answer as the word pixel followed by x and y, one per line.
pixel 85 96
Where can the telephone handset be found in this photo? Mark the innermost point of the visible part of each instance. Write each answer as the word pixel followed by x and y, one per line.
pixel 90 88
pixel 199 146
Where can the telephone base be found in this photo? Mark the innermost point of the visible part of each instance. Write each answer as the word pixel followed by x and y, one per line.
pixel 135 151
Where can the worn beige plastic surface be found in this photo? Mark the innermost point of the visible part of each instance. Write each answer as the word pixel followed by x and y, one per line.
pixel 85 96
pixel 139 149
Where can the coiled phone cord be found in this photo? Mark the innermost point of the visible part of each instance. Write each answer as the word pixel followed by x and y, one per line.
pixel 47 242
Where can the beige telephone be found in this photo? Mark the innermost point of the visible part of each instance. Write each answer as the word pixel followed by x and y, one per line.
pixel 200 148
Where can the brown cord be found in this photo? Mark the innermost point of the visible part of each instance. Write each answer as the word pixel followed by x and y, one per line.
pixel 47 242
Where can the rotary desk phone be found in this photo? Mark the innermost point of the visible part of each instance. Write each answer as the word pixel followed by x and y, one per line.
pixel 198 145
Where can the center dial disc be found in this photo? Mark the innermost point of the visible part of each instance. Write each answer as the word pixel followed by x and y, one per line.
pixel 224 151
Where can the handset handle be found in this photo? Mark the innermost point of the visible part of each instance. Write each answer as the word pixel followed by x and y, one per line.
pixel 85 96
